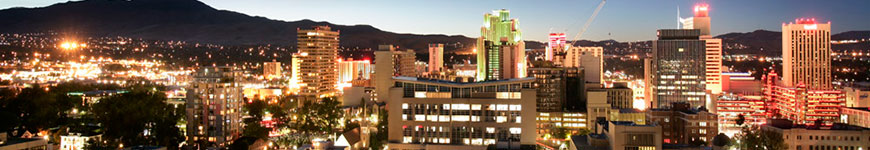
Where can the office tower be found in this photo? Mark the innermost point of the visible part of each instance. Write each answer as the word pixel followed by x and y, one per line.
pixel 804 137
pixel 214 107
pixel 588 58
pixel 429 114
pixel 806 54
pixel 436 58
pixel 295 83
pixel 391 62
pixel 676 73
pixel 682 124
pixel 272 70
pixel 500 48
pixel 701 21
pixel 350 70
pixel 318 48
pixel 556 44
pixel 550 85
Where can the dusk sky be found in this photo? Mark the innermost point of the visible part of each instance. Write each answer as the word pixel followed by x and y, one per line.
pixel 622 20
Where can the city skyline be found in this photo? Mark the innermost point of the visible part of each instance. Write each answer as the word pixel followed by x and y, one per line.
pixel 541 18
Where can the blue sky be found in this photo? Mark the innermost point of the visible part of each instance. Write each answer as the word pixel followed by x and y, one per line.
pixel 623 20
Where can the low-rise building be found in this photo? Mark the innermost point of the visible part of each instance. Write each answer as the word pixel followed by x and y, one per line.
pixel 856 116
pixel 809 137
pixel 682 125
pixel 77 141
pixel 628 135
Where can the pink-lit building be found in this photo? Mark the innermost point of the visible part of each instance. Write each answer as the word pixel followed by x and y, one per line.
pixel 555 45
pixel 801 104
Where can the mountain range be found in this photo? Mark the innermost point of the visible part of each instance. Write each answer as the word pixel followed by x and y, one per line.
pixel 194 21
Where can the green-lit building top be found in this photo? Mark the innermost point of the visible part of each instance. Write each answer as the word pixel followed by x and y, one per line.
pixel 500 48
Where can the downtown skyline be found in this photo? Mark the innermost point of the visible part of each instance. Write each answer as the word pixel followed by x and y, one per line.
pixel 618 20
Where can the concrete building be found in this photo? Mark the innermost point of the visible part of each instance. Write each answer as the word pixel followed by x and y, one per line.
pixel 601 101
pixel 501 52
pixel 801 104
pixel 673 72
pixel 627 135
pixel 683 125
pixel 856 116
pixel 836 137
pixel 591 59
pixel 272 70
pixel 857 95
pixel 214 107
pixel 628 114
pixel 436 58
pixel 426 113
pixel 806 54
pixel 389 63
pixel 318 49
pixel 550 84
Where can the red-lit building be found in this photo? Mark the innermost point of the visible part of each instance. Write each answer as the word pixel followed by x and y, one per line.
pixel 555 45
pixel 800 104
pixel 729 107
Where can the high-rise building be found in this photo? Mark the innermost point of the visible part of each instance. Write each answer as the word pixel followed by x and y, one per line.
pixel 556 44
pixel 674 72
pixel 389 63
pixel 701 21
pixel 318 61
pixel 271 70
pixel 550 84
pixel 591 59
pixel 436 58
pixel 500 48
pixel 470 115
pixel 214 107
pixel 806 54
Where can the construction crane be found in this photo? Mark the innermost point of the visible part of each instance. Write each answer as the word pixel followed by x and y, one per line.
pixel 588 21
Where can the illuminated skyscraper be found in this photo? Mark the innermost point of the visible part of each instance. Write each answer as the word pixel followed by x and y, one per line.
pixel 317 66
pixel 555 45
pixel 806 54
pixel 349 70
pixel 500 48
pixel 701 21
pixel 436 58
pixel 676 73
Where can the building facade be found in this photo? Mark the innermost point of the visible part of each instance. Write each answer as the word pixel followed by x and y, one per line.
pixel 349 70
pixel 500 48
pixel 856 116
pixel 272 70
pixel 557 44
pixel 318 61
pixel 682 125
pixel 806 54
pixel 837 137
pixel 550 84
pixel 591 59
pixel 214 107
pixel 801 104
pixel 857 95
pixel 434 112
pixel 674 74
pixel 436 58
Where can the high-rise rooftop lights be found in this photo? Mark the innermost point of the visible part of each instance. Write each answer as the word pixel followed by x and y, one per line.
pixel 701 10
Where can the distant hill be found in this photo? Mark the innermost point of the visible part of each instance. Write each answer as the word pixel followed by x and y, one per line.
pixel 194 21
pixel 769 43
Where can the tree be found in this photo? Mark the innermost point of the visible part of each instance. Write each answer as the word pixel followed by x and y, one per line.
pixel 740 119
pixel 378 140
pixel 721 140
pixel 318 117
pixel 97 145
pixel 34 109
pixel 760 140
pixel 559 132
pixel 125 117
